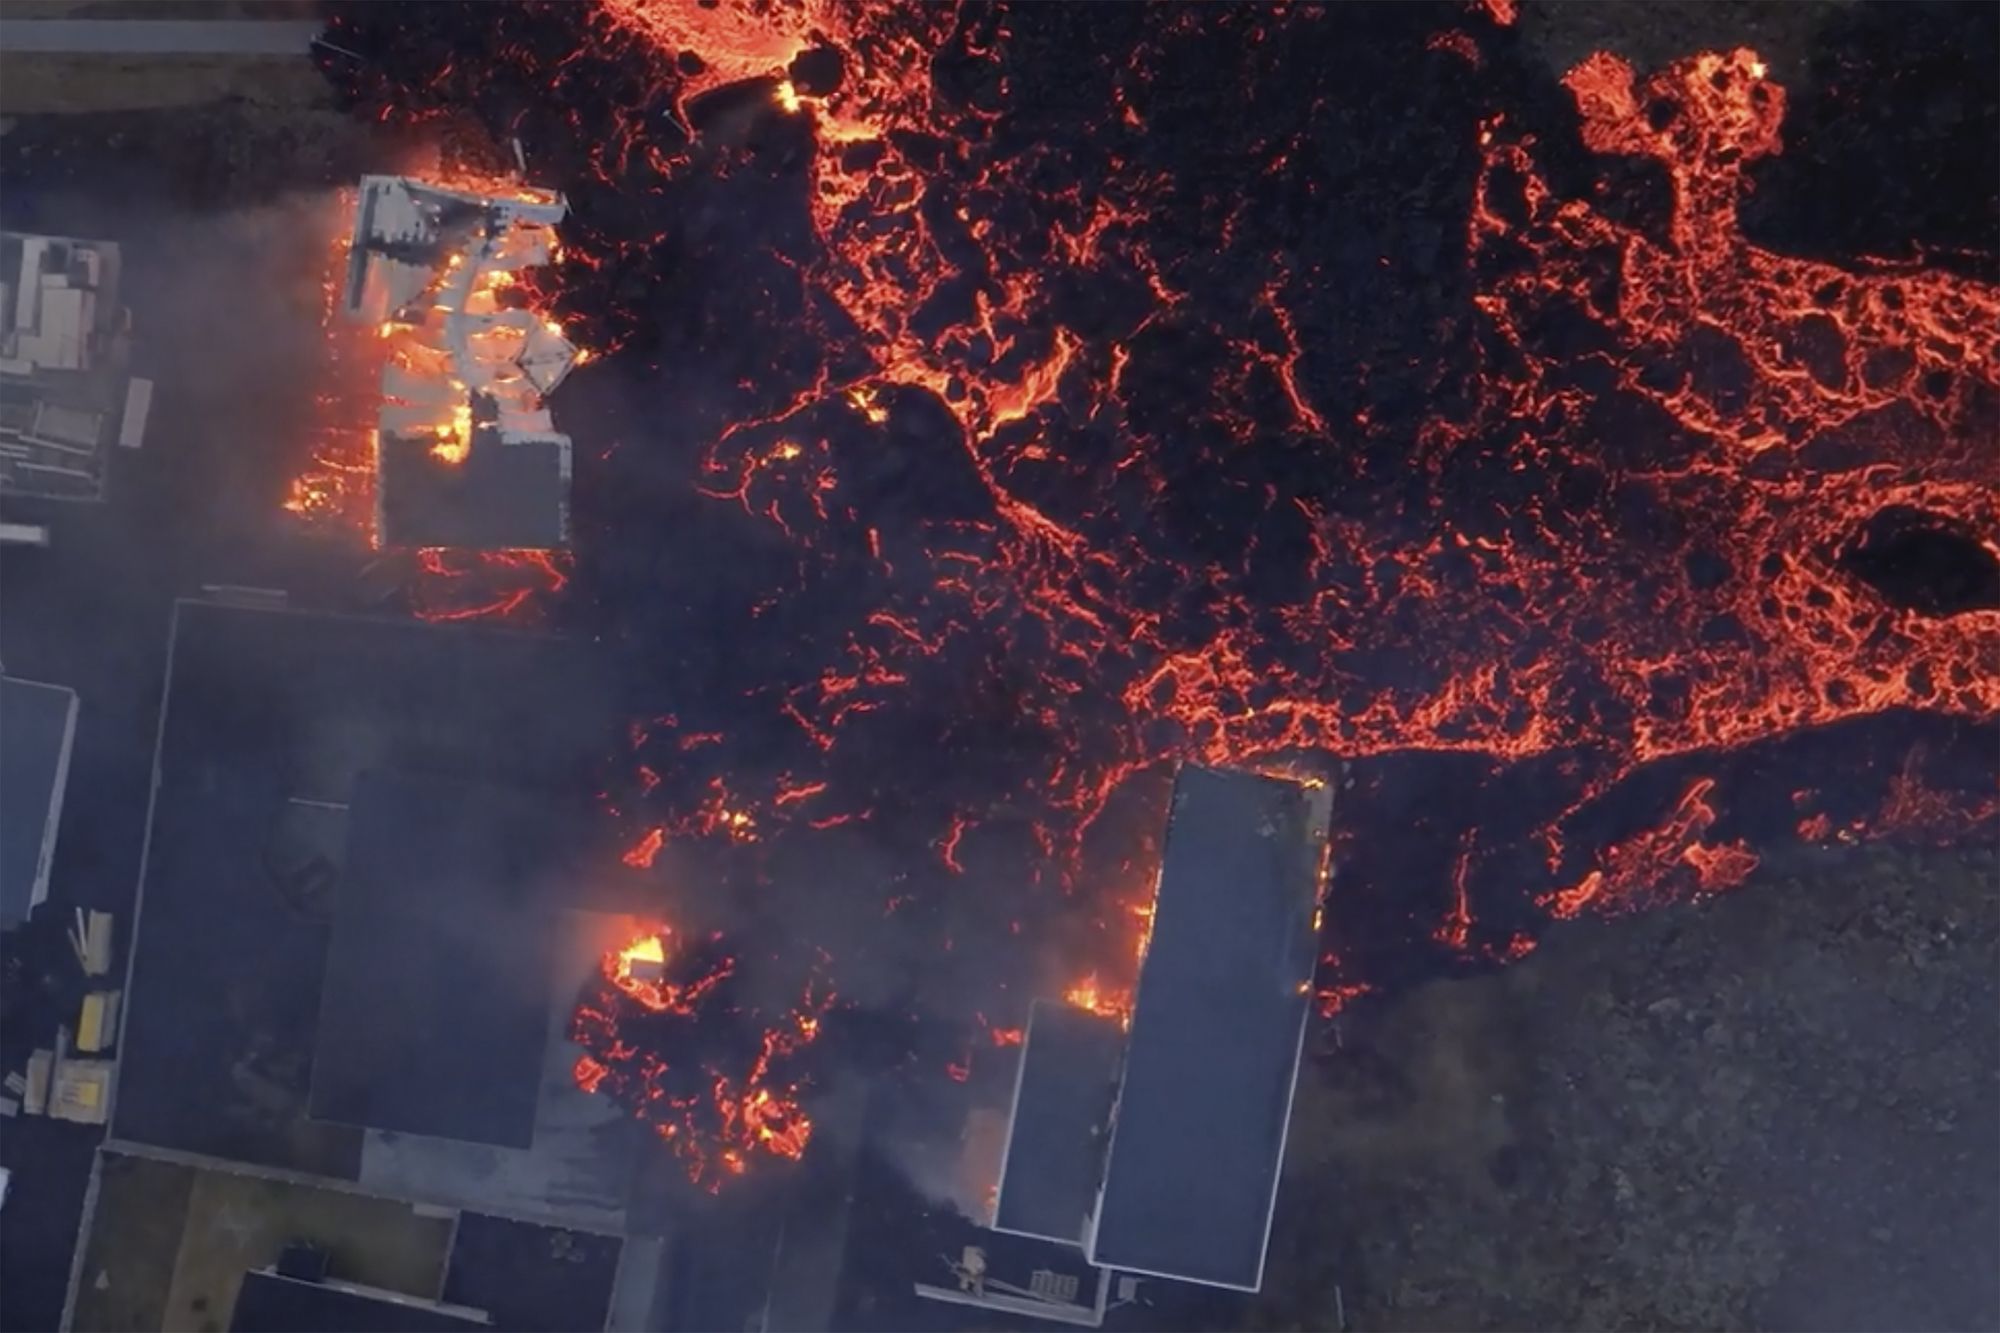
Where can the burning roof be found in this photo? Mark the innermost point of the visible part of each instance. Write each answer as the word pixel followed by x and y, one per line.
pixel 467 453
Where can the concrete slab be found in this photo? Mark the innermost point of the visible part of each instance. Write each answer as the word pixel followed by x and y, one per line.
pixel 578 1168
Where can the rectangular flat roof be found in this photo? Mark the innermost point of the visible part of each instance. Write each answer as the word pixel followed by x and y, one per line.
pixel 1199 1132
pixel 435 1013
pixel 499 497
pixel 270 1302
pixel 1057 1132
pixel 38 723
pixel 269 718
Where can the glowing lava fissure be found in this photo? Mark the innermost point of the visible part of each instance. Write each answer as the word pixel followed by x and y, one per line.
pixel 1050 399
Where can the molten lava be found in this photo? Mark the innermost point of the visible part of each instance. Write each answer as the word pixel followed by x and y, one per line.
pixel 639 969
pixel 1513 631
pixel 1037 460
pixel 715 1113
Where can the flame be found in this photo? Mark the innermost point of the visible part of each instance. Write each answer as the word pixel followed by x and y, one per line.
pixel 1100 1000
pixel 335 490
pixel 454 438
pixel 645 949
pixel 622 968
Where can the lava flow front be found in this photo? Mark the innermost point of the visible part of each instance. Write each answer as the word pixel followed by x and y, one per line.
pixel 646 1042
pixel 1009 402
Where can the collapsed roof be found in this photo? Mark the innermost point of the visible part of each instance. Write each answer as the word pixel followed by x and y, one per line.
pixel 468 454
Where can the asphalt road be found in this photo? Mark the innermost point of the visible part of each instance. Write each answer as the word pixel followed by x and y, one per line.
pixel 159 37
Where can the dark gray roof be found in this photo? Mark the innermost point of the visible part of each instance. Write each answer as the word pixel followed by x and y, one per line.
pixel 529 1276
pixel 272 1303
pixel 500 496
pixel 1220 1013
pixel 434 1018
pixel 37 724
pixel 1056 1134
pixel 268 718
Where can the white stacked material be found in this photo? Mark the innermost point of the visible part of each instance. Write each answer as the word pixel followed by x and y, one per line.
pixel 51 318
pixel 64 392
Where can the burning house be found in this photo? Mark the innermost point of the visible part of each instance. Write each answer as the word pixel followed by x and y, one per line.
pixel 1157 1151
pixel 467 455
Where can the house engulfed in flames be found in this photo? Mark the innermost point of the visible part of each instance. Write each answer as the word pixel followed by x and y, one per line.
pixel 466 453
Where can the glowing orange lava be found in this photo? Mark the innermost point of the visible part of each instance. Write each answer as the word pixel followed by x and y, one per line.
pixel 1613 540
pixel 1777 641
pixel 716 1119
pixel 640 968
pixel 1641 870
pixel 335 490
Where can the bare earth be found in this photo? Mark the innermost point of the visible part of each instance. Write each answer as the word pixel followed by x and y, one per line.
pixel 1780 1109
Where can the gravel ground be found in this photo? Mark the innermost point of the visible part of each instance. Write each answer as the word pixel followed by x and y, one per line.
pixel 1774 1110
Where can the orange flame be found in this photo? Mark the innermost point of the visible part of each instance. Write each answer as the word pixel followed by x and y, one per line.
pixel 639 969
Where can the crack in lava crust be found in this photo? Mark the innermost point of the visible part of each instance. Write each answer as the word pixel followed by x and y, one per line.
pixel 1594 534
pixel 1693 602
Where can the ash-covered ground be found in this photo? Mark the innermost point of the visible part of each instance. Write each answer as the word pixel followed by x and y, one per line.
pixel 1780 1109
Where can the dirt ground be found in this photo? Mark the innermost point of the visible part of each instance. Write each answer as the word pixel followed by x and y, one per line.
pixel 169 1244
pixel 128 1261
pixel 236 1223
pixel 63 84
pixel 1780 1109
pixel 36 83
